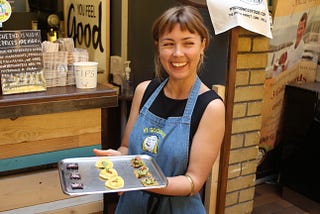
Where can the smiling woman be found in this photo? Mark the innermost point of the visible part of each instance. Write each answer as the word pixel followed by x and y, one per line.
pixel 180 38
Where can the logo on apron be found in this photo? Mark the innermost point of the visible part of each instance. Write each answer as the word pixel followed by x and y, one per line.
pixel 150 144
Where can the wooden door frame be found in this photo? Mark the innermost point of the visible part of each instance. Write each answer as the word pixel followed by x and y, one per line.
pixel 229 100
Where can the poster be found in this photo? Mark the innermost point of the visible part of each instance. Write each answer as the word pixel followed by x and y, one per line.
pixel 293 57
pixel 88 23
pixel 21 62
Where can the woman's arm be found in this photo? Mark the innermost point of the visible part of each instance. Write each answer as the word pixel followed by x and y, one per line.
pixel 134 112
pixel 204 150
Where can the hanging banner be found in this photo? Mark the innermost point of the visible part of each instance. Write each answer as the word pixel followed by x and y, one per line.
pixel 88 23
pixel 293 57
pixel 252 15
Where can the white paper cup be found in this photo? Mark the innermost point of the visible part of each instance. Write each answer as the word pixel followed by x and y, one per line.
pixel 86 74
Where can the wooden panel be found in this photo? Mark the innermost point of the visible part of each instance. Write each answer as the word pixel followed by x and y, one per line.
pixel 211 187
pixel 229 98
pixel 53 107
pixel 93 208
pixel 55 100
pixel 43 129
pixel 30 189
pixel 43 193
pixel 42 139
pixel 35 147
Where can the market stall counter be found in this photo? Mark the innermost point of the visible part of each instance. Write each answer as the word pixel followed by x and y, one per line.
pixel 53 100
pixel 40 128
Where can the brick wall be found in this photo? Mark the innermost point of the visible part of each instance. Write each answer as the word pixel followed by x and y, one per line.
pixel 249 88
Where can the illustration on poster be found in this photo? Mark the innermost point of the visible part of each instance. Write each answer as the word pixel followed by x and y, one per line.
pixel 293 52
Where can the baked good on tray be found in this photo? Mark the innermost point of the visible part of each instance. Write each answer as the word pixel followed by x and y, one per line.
pixel 148 181
pixel 103 163
pixel 137 162
pixel 142 171
pixel 108 173
pixel 115 182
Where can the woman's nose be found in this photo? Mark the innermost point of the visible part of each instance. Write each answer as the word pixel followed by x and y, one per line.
pixel 177 51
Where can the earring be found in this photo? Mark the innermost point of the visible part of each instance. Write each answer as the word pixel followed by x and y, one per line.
pixel 201 58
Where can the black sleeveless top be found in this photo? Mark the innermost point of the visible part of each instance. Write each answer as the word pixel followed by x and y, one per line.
pixel 165 107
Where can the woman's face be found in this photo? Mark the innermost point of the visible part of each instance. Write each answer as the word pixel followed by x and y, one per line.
pixel 179 52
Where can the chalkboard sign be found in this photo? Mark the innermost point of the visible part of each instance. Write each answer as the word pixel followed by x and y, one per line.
pixel 21 62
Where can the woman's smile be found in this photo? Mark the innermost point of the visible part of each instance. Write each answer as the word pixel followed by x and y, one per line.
pixel 179 64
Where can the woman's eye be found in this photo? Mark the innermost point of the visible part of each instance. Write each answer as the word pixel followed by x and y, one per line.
pixel 189 43
pixel 167 44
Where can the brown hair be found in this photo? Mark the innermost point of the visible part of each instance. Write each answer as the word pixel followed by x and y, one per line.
pixel 188 18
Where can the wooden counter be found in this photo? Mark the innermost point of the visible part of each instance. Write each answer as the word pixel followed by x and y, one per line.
pixel 40 128
pixel 57 99
pixel 37 129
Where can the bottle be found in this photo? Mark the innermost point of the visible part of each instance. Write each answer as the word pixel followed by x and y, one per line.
pixel 53 24
pixel 127 88
pixel 52 35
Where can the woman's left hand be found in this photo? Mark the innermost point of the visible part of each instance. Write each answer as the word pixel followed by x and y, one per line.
pixel 108 152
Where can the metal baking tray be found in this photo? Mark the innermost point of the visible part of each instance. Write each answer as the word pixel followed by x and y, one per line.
pixel 92 183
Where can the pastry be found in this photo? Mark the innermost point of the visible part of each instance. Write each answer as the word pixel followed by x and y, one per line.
pixel 149 181
pixel 115 183
pixel 103 163
pixel 142 171
pixel 137 162
pixel 108 173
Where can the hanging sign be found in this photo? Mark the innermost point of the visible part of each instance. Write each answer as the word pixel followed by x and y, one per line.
pixel 5 11
pixel 252 15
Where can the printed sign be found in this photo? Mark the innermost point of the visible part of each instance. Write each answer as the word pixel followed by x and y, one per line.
pixel 88 23
pixel 21 62
pixel 252 15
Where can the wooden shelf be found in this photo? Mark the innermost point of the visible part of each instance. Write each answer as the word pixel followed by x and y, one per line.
pixel 57 99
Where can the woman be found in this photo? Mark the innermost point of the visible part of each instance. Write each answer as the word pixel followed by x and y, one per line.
pixel 184 118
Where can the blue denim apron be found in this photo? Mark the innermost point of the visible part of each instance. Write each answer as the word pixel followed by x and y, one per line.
pixel 167 141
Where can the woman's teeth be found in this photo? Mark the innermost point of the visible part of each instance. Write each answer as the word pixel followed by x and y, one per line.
pixel 181 64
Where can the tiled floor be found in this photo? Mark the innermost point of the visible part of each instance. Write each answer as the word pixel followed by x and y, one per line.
pixel 268 201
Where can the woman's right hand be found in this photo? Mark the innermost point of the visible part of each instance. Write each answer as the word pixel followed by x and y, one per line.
pixel 108 152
